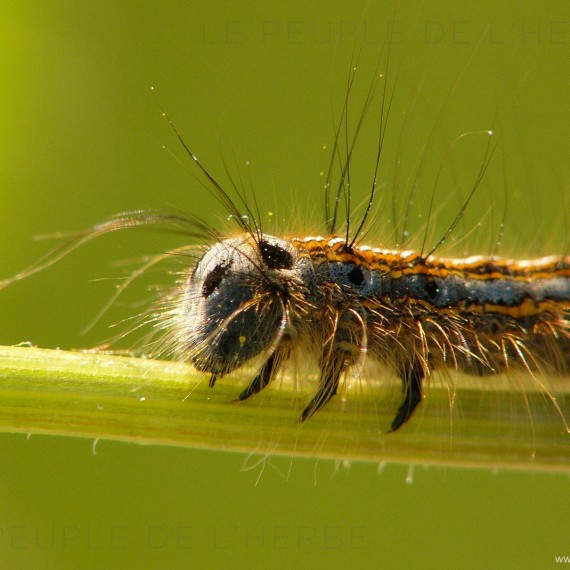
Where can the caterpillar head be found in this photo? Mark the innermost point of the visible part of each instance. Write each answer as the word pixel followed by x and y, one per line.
pixel 236 303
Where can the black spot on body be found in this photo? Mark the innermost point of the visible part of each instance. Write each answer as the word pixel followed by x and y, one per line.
pixel 214 278
pixel 356 276
pixel 494 326
pixel 345 248
pixel 275 257
pixel 431 288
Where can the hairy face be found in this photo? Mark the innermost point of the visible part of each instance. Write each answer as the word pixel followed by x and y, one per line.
pixel 236 302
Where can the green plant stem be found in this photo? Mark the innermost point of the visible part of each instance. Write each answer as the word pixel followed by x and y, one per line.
pixel 155 402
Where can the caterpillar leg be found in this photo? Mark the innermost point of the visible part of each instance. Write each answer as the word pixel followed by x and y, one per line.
pixel 328 384
pixel 267 372
pixel 348 344
pixel 412 377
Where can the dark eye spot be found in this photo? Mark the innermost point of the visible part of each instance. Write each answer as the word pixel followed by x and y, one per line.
pixel 275 257
pixel 214 278
pixel 431 288
pixel 356 276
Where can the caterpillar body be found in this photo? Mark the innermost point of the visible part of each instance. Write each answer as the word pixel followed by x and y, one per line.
pixel 255 295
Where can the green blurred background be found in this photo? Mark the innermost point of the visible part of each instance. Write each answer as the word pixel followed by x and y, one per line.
pixel 252 83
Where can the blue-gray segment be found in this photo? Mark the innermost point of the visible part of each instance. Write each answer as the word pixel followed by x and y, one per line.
pixel 449 291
